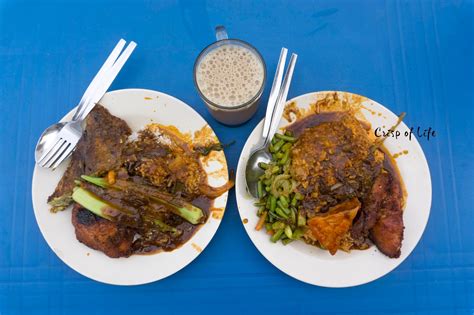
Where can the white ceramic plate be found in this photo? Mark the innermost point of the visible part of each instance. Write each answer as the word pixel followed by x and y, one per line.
pixel 138 108
pixel 315 266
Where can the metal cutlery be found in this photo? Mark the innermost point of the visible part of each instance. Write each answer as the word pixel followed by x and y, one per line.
pixel 275 107
pixel 59 140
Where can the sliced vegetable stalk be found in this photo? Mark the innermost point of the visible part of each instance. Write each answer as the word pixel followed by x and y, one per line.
pixel 179 206
pixel 108 211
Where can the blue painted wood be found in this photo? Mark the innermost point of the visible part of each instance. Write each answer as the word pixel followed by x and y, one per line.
pixel 413 56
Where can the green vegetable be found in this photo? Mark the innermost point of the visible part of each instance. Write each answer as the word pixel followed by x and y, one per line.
pixel 278 192
pixel 275 237
pixel 260 189
pixel 294 201
pixel 179 206
pixel 281 213
pixel 272 203
pixel 287 241
pixel 299 196
pixel 285 138
pixel 298 233
pixel 284 201
pixel 104 210
pixel 288 231
pixel 93 203
pixel 285 157
pixel 268 226
pixel 275 169
pixel 278 225
pixel 278 146
pixel 301 220
pixel 286 147
pixel 281 185
pixel 293 216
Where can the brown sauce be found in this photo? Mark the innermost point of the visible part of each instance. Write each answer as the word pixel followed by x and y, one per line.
pixel 313 120
pixel 163 155
pixel 188 230
pixel 390 165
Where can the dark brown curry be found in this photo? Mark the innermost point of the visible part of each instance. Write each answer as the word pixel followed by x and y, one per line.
pixel 134 196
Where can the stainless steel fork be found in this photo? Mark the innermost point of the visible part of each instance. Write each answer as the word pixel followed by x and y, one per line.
pixel 70 133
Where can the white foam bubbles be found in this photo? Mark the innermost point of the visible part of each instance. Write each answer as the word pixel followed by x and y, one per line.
pixel 230 75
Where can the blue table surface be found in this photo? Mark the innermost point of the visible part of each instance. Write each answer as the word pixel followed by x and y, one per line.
pixel 413 56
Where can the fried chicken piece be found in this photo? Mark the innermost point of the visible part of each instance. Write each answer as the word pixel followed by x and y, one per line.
pixel 330 228
pixel 101 234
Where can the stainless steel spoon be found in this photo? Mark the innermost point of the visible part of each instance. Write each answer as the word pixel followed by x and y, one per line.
pixel 48 139
pixel 276 104
pixel 59 140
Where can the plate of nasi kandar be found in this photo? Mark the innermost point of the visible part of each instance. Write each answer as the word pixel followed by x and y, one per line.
pixel 338 205
pixel 142 194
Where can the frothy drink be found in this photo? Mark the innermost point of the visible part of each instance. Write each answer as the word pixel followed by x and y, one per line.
pixel 230 75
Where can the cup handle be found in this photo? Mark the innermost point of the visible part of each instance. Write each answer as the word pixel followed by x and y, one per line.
pixel 221 33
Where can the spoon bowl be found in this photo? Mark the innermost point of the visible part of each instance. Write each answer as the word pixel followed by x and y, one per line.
pixel 47 139
pixel 253 171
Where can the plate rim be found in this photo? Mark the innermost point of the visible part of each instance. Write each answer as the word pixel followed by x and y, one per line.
pixel 157 278
pixel 298 277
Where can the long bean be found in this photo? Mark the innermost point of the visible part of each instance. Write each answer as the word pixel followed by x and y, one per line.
pixel 278 146
pixel 273 202
pixel 293 216
pixel 285 138
pixel 287 241
pixel 278 205
pixel 283 200
pixel 260 189
pixel 284 158
pixel 286 147
pixel 275 237
pixel 281 213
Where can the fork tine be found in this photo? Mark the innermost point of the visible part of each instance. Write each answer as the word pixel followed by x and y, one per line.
pixel 52 150
pixel 63 156
pixel 56 154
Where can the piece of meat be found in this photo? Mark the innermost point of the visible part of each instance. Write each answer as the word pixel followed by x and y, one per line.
pixel 381 217
pixel 330 228
pixel 101 234
pixel 99 150
pixel 387 232
pixel 370 210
